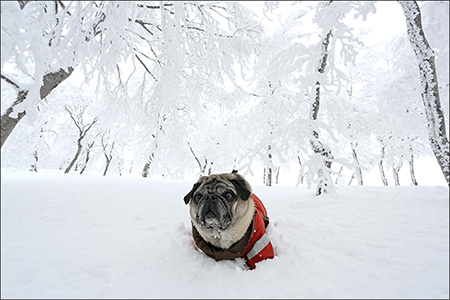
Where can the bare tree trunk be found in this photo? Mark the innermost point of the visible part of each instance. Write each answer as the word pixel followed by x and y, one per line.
pixel 351 179
pixel 396 178
pixel 120 168
pixel 396 170
pixel 85 163
pixel 268 176
pixel 339 175
pixel 8 123
pixel 79 148
pixel 36 159
pixel 318 147
pixel 302 178
pixel 380 165
pixel 357 166
pixel 108 161
pixel 430 89
pixel 146 170
pixel 77 118
pixel 324 182
pixel 108 156
pixel 88 151
pixel 105 141
pixel 383 175
pixel 411 170
pixel 50 82
pixel 268 170
pixel 277 175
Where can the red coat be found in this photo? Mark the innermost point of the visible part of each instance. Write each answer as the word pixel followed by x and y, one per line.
pixel 260 247
pixel 254 246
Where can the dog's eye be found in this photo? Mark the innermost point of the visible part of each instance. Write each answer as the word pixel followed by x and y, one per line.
pixel 197 197
pixel 229 196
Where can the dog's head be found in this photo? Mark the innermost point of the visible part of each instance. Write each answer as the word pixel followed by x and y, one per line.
pixel 218 200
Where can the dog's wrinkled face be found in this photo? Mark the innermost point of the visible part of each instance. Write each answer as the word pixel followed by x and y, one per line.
pixel 215 199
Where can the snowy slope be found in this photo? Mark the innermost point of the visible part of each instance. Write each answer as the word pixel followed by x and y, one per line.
pixel 126 237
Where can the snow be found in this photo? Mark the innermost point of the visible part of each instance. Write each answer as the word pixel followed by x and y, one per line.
pixel 72 236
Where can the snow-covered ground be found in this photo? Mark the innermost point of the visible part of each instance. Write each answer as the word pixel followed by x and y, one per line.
pixel 72 236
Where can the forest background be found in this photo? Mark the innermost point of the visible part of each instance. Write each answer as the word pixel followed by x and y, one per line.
pixel 314 93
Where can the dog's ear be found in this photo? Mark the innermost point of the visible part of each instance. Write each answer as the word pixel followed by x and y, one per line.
pixel 242 190
pixel 188 197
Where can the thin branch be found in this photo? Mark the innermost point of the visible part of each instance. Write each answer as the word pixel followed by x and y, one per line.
pixel 199 7
pixel 214 6
pixel 143 54
pixel 171 12
pixel 118 72
pixel 146 67
pixel 140 36
pixel 10 81
pixel 148 57
pixel 153 6
pixel 156 56
pixel 195 156
pixel 89 127
pixel 142 23
pixel 203 30
pixel 73 118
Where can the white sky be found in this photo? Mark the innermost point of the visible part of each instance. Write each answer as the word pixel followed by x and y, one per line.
pixel 388 21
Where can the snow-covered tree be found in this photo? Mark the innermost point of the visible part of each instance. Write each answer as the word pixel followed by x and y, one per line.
pixel 159 62
pixel 304 65
pixel 193 88
pixel 38 46
pixel 430 87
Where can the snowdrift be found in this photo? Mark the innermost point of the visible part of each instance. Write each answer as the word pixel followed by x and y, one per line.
pixel 72 236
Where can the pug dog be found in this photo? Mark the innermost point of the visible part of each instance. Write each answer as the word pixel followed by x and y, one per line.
pixel 228 220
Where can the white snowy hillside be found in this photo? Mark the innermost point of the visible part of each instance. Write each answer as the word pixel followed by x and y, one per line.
pixel 89 236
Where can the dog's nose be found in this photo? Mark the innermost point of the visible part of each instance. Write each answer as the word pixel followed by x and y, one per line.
pixel 210 215
pixel 210 210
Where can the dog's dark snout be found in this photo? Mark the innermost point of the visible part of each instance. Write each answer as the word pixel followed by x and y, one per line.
pixel 210 209
pixel 210 215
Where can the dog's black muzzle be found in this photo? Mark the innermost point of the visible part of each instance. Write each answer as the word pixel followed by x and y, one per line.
pixel 213 212
pixel 210 209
